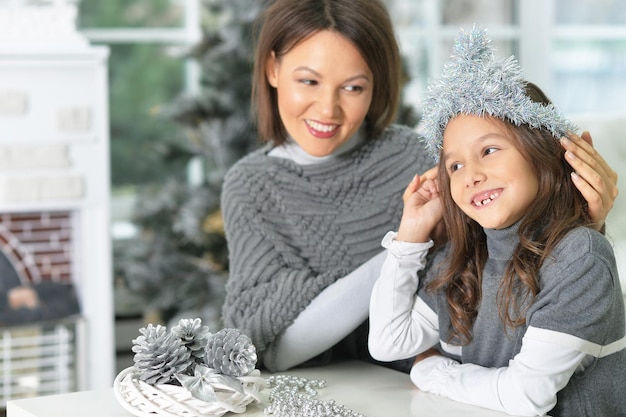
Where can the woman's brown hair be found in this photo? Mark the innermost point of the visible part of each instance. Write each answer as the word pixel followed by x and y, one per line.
pixel 559 208
pixel 365 23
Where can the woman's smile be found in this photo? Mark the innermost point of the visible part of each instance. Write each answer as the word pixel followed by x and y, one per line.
pixel 321 130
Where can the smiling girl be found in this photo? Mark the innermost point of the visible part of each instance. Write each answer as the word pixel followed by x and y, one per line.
pixel 522 310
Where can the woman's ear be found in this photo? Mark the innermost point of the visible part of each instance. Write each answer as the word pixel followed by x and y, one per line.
pixel 271 70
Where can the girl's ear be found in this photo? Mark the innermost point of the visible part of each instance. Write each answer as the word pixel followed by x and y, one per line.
pixel 271 70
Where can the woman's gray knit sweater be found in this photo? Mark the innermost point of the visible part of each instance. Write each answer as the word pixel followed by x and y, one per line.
pixel 292 229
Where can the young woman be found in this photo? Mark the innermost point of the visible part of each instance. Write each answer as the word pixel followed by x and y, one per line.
pixel 303 216
pixel 524 301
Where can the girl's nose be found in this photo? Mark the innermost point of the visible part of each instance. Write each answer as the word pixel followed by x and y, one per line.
pixel 473 175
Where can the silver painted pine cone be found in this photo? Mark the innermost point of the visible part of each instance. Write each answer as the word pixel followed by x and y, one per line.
pixel 193 335
pixel 230 352
pixel 159 355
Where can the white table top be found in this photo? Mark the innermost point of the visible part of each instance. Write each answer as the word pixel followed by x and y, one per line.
pixel 368 389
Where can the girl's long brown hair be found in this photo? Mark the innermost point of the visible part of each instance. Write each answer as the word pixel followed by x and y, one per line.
pixel 559 208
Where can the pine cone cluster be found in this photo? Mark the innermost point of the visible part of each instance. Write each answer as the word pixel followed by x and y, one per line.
pixel 230 352
pixel 160 355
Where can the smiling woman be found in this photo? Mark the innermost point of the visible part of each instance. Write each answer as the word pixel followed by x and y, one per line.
pixel 308 210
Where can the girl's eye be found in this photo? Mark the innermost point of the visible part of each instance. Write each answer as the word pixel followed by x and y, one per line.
pixel 455 166
pixel 489 151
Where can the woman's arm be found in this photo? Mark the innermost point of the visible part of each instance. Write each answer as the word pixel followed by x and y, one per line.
pixel 269 285
pixel 331 316
pixel 263 296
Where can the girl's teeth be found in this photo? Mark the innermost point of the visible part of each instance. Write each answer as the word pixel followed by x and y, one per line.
pixel 487 200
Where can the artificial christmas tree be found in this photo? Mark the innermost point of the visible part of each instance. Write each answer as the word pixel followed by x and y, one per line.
pixel 178 263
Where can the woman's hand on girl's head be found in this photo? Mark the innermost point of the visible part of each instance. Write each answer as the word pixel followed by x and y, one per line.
pixel 422 210
pixel 593 177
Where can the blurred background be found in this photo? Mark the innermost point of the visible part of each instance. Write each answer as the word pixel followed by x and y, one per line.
pixel 177 84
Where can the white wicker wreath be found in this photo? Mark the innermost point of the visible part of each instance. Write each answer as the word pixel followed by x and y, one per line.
pixel 168 400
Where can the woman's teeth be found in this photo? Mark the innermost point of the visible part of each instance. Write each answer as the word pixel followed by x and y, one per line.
pixel 321 127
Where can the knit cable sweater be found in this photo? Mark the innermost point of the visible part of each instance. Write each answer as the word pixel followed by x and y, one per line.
pixel 292 229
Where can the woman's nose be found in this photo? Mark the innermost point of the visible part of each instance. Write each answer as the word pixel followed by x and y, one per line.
pixel 329 103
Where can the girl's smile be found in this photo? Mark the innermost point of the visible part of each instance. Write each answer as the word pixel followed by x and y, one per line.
pixel 482 199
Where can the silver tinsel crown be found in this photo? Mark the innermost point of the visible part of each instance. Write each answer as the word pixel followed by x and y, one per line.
pixel 475 82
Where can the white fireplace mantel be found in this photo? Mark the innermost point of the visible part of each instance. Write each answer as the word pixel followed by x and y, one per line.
pixel 54 151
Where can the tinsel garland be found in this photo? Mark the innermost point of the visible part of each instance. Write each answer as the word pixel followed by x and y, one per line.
pixel 475 82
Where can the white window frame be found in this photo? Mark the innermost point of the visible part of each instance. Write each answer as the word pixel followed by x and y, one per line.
pixel 187 35
pixel 535 33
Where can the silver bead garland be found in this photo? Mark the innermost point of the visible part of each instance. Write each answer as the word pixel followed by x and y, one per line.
pixel 292 396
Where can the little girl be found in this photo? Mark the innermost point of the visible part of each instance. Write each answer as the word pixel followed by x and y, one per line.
pixel 522 310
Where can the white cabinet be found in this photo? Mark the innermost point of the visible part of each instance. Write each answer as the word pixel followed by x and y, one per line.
pixel 54 160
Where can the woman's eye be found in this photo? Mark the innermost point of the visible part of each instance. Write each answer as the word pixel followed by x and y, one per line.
pixel 308 82
pixel 353 88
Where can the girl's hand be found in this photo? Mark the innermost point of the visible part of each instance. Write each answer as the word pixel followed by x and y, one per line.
pixel 593 177
pixel 422 209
